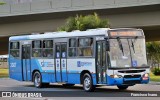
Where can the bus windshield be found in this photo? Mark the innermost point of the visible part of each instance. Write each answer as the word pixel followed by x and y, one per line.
pixel 127 53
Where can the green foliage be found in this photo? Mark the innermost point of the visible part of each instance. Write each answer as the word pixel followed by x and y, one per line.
pixel 153 77
pixel 2 3
pixel 83 23
pixel 4 72
pixel 153 51
pixel 153 55
pixel 156 71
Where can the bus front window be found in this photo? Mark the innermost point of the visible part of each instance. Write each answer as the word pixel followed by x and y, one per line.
pixel 128 53
pixel 138 52
pixel 120 53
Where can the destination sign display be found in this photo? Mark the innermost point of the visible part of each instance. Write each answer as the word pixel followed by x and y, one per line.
pixel 125 33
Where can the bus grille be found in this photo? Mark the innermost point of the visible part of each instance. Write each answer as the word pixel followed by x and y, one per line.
pixel 131 71
pixel 132 76
pixel 132 82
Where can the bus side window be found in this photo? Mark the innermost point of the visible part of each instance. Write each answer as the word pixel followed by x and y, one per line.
pixel 36 48
pixel 48 48
pixel 14 49
pixel 85 47
pixel 72 47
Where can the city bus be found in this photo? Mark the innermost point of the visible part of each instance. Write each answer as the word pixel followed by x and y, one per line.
pixel 95 57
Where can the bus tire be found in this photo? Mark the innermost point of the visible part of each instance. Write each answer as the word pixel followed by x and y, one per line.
pixel 37 80
pixel 122 87
pixel 88 83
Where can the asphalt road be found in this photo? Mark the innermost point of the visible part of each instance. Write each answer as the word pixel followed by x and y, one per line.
pixel 101 93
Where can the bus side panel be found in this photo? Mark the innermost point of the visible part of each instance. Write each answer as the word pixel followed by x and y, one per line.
pixel 15 69
pixel 94 79
pixel 48 77
pixel 73 78
pixel 76 66
pixel 45 67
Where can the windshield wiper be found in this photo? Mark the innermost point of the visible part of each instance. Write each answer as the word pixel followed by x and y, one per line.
pixel 132 46
pixel 120 45
pixel 132 43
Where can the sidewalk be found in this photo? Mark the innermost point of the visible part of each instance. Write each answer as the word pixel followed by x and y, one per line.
pixel 154 83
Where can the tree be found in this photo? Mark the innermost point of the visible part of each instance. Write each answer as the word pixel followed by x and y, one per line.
pixel 2 3
pixel 83 23
pixel 153 55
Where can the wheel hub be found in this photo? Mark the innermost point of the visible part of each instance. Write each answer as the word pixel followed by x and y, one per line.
pixel 87 83
pixel 37 80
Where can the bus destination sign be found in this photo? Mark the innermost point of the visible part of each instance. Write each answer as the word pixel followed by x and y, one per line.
pixel 125 33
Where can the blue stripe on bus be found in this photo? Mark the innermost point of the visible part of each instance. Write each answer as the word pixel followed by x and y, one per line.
pixel 73 77
pixel 15 69
pixel 48 77
pixel 38 65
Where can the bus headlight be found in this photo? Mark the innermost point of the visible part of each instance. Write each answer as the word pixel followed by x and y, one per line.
pixel 145 76
pixel 115 76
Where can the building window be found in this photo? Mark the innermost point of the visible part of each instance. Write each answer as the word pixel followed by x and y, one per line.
pixel 37 48
pixel 48 48
pixel 85 47
pixel 14 49
pixel 72 47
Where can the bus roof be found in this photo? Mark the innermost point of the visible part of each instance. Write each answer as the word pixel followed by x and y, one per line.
pixel 62 34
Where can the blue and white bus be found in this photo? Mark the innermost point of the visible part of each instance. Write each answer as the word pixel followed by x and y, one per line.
pixel 94 57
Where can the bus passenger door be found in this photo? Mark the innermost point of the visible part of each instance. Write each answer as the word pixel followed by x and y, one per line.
pixel 101 61
pixel 64 61
pixel 61 62
pixel 26 62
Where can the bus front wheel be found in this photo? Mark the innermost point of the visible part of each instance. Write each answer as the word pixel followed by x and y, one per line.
pixel 37 79
pixel 88 83
pixel 123 87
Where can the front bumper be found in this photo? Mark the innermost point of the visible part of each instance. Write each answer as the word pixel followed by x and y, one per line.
pixel 126 81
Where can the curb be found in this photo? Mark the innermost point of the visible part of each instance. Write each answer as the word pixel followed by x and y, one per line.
pixel 154 83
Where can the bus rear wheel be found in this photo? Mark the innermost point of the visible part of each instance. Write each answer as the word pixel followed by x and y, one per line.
pixel 37 79
pixel 123 87
pixel 88 83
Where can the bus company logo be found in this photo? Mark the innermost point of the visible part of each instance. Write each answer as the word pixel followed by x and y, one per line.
pixel 46 64
pixel 6 94
pixel 83 64
pixel 13 64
